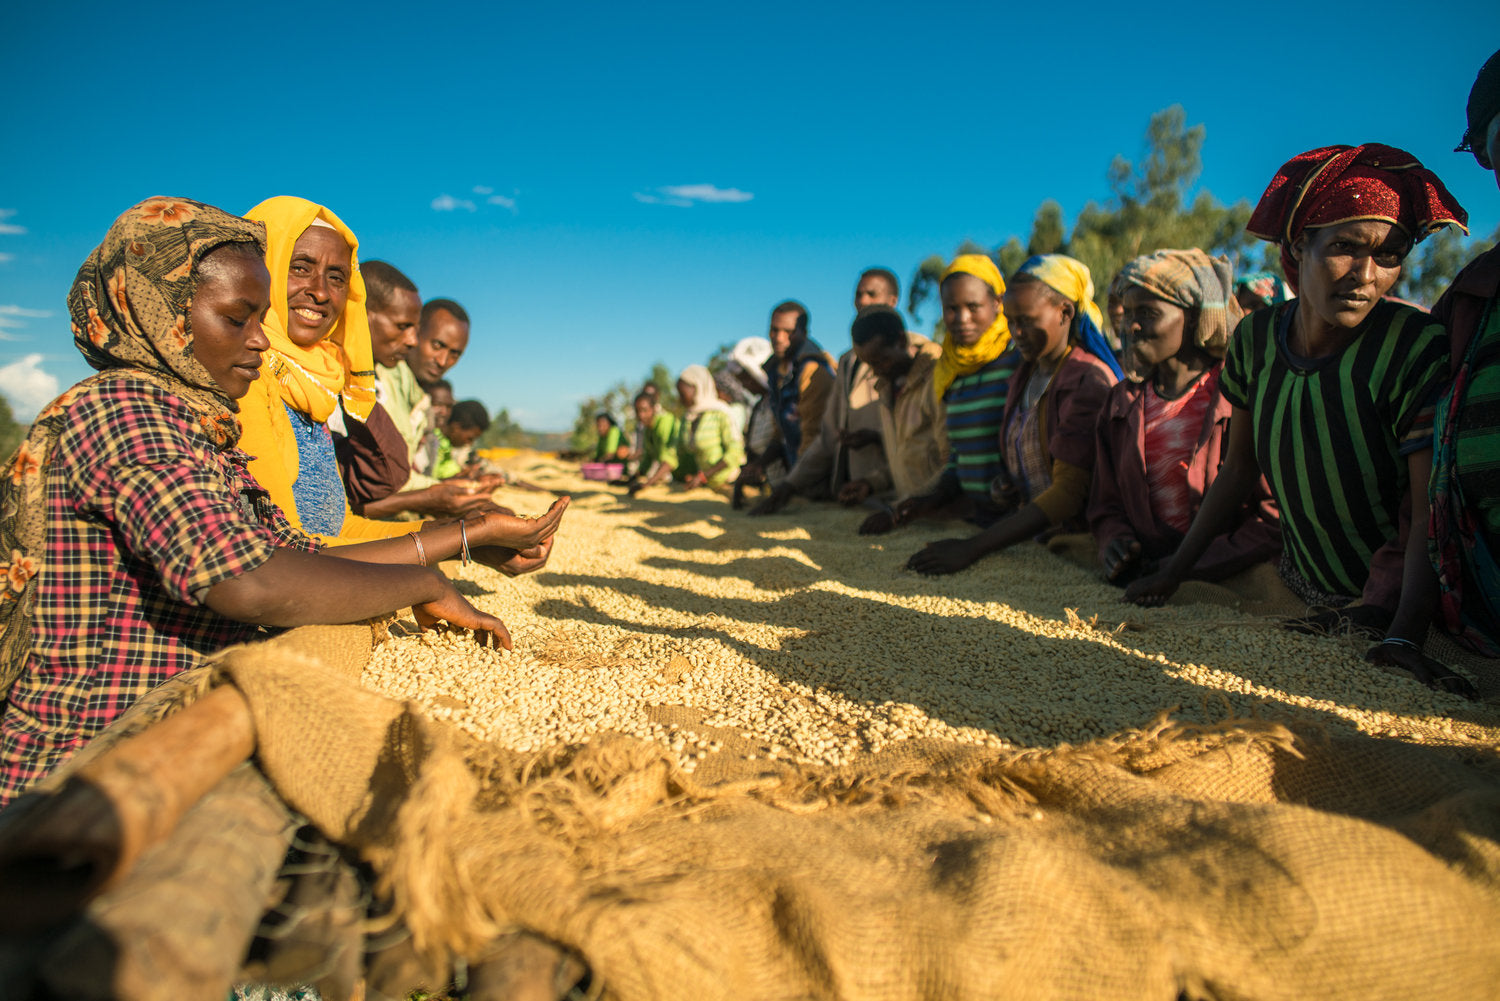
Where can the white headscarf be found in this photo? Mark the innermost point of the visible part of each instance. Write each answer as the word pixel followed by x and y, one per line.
pixel 750 356
pixel 706 394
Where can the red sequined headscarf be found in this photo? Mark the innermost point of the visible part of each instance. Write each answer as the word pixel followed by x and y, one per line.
pixel 1338 184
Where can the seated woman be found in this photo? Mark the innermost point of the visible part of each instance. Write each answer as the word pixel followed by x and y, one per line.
pixel 1331 392
pixel 610 446
pixel 319 365
pixel 139 542
pixel 1052 404
pixel 1159 440
pixel 1461 576
pixel 972 378
pixel 658 436
pixel 709 446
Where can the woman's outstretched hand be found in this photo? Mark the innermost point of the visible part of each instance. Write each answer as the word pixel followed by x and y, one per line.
pixel 511 562
pixel 454 609
pixel 944 556
pixel 1120 558
pixel 1152 591
pixel 1434 674
pixel 513 532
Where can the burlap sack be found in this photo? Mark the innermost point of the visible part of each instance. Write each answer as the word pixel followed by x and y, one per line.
pixel 1239 862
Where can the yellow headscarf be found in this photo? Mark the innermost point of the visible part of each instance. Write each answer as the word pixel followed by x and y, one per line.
pixel 1069 278
pixel 342 365
pixel 957 360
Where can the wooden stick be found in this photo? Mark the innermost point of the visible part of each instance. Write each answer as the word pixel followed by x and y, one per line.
pixel 58 853
pixel 179 924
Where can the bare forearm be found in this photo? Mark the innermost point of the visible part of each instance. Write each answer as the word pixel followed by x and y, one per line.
pixel 438 542
pixel 295 589
pixel 1013 528
pixel 1418 579
pixel 394 504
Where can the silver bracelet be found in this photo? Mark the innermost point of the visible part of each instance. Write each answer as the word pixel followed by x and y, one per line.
pixel 463 534
pixel 421 550
pixel 1398 641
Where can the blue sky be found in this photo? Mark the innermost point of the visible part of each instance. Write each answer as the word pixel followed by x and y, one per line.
pixel 523 160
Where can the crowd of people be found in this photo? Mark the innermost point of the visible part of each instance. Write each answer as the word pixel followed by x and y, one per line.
pixel 269 440
pixel 1306 419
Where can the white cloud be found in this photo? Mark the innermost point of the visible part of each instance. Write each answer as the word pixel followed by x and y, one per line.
pixel 27 387
pixel 687 195
pixel 481 189
pixel 7 258
pixel 14 318
pixel 447 203
pixel 707 193
pixel 502 201
pixel 645 199
pixel 9 228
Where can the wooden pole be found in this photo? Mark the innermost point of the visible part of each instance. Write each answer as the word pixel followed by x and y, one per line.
pixel 58 852
pixel 179 924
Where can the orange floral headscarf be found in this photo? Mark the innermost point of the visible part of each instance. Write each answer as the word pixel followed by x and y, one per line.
pixel 129 307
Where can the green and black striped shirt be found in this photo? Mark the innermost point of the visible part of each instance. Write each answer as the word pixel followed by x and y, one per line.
pixel 1332 434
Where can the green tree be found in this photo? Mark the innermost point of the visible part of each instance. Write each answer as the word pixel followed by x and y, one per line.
pixel 1047 231
pixel 1432 266
pixel 505 433
pixel 619 400
pixel 1152 206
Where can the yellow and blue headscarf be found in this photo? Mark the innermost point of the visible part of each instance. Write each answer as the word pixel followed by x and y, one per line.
pixel 1070 278
pixel 957 360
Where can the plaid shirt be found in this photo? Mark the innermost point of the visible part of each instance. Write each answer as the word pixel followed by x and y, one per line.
pixel 144 515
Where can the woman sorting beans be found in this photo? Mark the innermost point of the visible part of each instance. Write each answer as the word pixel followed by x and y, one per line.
pixel 138 540
pixel 1159 440
pixel 710 448
pixel 1052 403
pixel 610 446
pixel 971 379
pixel 319 371
pixel 1332 392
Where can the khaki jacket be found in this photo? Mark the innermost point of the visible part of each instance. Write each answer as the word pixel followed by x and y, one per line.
pixel 913 424
pixel 826 465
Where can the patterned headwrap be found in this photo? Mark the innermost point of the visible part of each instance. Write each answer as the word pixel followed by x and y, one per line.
pixel 1192 280
pixel 342 365
pixel 1339 184
pixel 957 360
pixel 129 307
pixel 1070 278
pixel 1266 286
